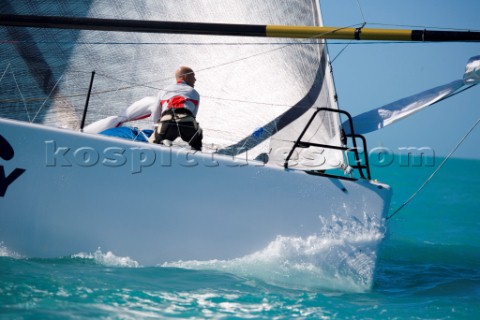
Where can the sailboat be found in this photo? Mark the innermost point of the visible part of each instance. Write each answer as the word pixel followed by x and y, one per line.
pixel 281 162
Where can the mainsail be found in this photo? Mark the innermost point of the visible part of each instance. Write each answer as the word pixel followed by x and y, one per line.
pixel 256 94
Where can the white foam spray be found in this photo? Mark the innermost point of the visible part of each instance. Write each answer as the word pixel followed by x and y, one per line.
pixel 341 257
pixel 107 259
pixel 5 252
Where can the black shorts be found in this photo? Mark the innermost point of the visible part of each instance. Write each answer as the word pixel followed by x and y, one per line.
pixel 189 131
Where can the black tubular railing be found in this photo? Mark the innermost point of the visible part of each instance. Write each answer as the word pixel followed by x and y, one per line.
pixel 305 144
pixel 359 166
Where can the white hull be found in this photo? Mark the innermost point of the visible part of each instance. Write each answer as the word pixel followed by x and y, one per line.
pixel 141 205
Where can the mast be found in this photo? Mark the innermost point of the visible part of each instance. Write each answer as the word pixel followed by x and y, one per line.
pixel 223 29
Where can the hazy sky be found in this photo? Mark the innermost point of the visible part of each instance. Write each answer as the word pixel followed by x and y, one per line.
pixel 370 75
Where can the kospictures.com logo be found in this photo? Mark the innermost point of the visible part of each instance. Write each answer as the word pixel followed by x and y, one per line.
pixel 138 158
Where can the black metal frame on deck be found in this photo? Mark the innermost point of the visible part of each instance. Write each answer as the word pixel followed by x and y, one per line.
pixel 358 166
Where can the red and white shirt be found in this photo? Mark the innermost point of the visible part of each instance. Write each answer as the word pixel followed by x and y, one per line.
pixel 178 95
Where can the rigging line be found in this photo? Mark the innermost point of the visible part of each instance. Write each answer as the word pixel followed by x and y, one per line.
pixel 268 104
pixel 436 170
pixel 349 43
pixel 361 12
pixel 21 95
pixel 460 91
pixel 341 51
pixel 261 53
pixel 469 86
pixel 421 27
pixel 42 98
pixel 246 101
pixel 133 85
pixel 208 68
pixel 211 67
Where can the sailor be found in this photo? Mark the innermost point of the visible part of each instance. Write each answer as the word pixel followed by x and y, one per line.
pixel 176 112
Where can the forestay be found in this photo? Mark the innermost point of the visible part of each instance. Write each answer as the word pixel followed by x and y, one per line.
pixel 256 94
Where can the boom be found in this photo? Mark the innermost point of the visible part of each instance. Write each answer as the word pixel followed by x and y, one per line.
pixel 235 29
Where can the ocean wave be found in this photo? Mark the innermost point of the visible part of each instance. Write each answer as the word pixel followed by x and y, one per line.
pixel 341 257
pixel 5 252
pixel 107 259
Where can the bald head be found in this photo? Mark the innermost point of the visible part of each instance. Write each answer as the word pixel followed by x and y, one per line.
pixel 186 74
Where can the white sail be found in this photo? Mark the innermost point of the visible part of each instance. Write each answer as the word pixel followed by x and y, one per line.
pixel 386 115
pixel 251 89
pixel 472 71
pixel 140 109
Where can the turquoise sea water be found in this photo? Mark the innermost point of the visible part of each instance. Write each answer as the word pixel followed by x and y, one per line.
pixel 428 268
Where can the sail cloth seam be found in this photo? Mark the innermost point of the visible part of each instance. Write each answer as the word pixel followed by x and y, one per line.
pixel 5 71
pixel 436 170
pixel 49 95
pixel 21 95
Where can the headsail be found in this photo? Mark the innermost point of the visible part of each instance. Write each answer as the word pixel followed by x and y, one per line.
pixel 251 89
pixel 386 115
